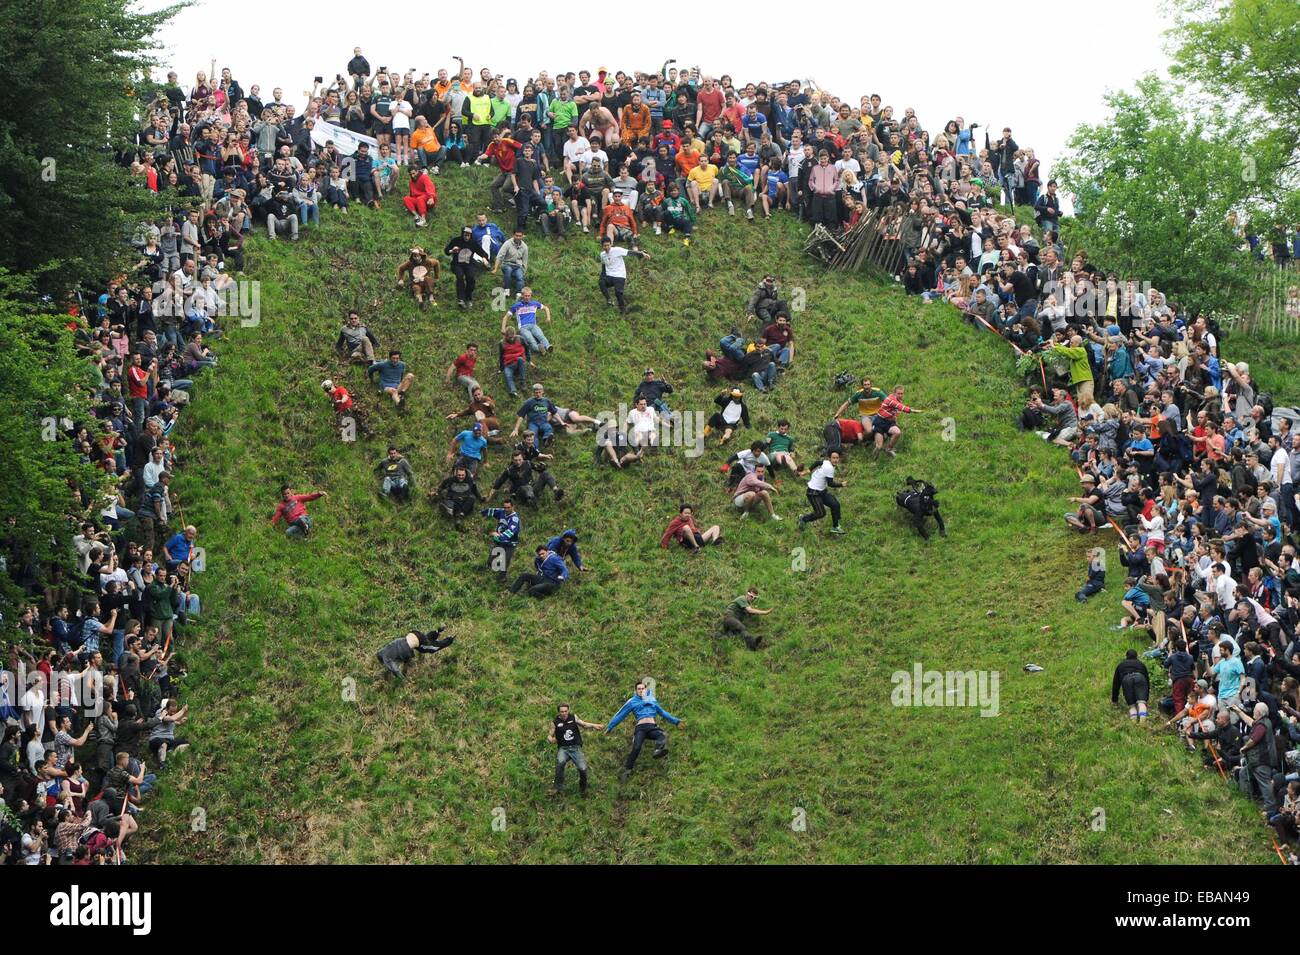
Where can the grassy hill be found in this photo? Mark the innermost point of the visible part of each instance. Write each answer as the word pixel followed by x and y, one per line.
pixel 286 769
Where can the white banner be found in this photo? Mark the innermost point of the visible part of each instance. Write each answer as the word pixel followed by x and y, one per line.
pixel 346 140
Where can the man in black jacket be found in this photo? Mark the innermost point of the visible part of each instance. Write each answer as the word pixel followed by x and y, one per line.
pixel 395 656
pixel 282 215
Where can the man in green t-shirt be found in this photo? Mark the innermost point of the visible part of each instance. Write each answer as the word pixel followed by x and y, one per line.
pixel 740 608
pixel 780 447
pixel 868 399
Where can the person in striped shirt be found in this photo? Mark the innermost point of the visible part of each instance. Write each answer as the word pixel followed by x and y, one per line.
pixel 885 423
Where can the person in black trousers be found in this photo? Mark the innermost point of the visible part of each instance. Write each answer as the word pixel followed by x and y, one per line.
pixel 467 261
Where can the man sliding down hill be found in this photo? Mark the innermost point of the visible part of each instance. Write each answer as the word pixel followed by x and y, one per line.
pixel 397 655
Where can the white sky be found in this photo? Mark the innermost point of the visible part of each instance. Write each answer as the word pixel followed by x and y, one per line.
pixel 1090 48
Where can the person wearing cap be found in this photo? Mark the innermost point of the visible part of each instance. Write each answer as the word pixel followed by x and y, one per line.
pixel 281 216
pixel 467 261
pixel 732 412
pixel 618 221
pixel 396 473
pixel 613 270
pixel 467 448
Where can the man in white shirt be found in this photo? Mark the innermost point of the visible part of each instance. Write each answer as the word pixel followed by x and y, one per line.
pixel 576 151
pixel 820 497
pixel 613 270
pixel 643 422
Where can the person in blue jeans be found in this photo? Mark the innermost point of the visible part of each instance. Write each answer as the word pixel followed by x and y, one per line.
pixel 526 313
pixel 643 707
pixel 512 354
pixel 513 260
pixel 467 449
pixel 537 413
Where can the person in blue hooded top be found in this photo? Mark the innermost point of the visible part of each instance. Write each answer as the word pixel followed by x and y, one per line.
pixel 565 546
pixel 643 708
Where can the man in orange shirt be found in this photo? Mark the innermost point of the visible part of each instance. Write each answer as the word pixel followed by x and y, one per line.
pixel 618 221
pixel 687 159
pixel 426 149
pixel 635 119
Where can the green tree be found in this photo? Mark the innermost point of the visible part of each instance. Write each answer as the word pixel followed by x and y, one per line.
pixel 1246 53
pixel 1154 187
pixel 44 384
pixel 68 78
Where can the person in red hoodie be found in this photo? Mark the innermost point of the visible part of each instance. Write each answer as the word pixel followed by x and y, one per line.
pixel 512 362
pixel 422 198
pixel 685 531
pixel 293 508
pixel 503 150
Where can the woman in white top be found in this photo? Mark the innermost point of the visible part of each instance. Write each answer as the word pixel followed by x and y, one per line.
pixel 401 129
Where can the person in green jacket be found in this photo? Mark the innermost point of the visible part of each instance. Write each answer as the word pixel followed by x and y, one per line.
pixel 677 212
pixel 1080 369
pixel 158 600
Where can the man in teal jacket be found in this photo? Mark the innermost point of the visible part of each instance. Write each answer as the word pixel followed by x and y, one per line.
pixel 644 708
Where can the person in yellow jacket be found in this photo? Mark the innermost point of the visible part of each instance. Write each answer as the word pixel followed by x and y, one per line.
pixel 478 110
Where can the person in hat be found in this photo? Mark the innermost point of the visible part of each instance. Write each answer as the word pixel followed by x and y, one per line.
pixel 732 412
pixel 419 272
pixel 468 260
pixel 467 448
pixel 282 216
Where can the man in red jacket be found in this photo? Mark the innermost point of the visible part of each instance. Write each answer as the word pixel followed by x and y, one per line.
pixel 292 508
pixel 683 529
pixel 422 198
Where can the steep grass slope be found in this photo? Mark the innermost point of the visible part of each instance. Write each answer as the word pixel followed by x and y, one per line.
pixel 286 768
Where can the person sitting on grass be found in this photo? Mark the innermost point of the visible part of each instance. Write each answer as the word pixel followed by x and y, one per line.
pixel 753 490
pixel 394 379
pixel 549 575
pixel 686 532
pixel 780 447
pixel 396 473
pixel 457 495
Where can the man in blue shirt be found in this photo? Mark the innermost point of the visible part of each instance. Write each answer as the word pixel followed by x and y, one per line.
pixel 469 445
pixel 550 574
pixel 526 312
pixel 643 707
pixel 537 412
pixel 394 379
